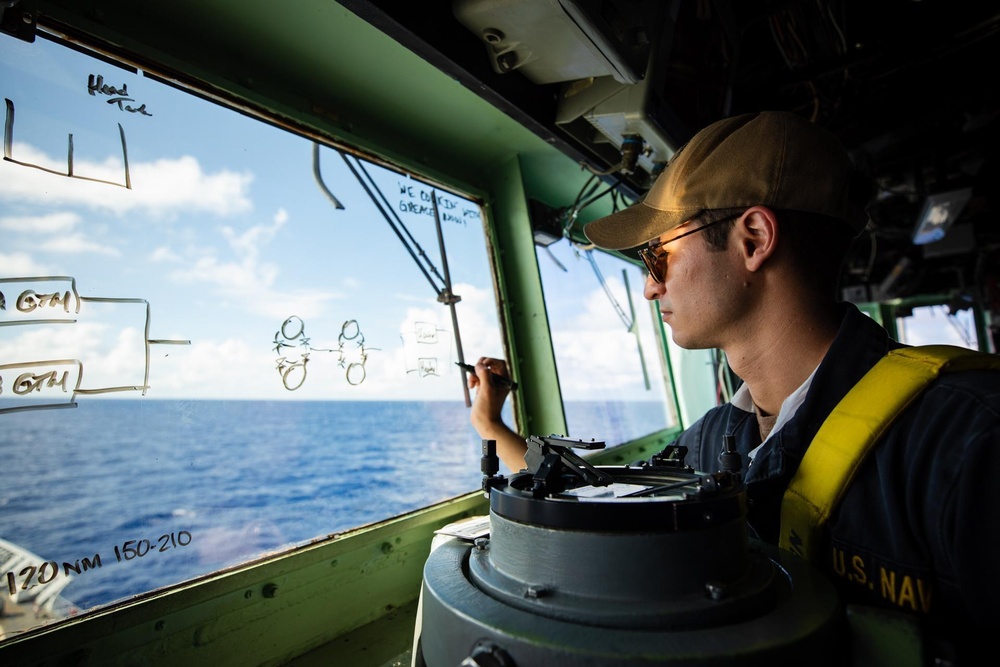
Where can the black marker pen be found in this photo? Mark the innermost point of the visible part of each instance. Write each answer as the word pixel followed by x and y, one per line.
pixel 498 380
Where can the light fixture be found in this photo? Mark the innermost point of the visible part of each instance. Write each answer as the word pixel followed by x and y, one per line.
pixel 938 214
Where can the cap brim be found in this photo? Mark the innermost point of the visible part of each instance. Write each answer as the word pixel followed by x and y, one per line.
pixel 632 226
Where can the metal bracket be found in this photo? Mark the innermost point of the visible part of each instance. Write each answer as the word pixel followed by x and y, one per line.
pixel 16 21
pixel 550 457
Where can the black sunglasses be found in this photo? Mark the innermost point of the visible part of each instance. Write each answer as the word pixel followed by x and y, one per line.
pixel 656 264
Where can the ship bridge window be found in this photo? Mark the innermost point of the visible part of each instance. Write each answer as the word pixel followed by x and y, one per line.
pixel 609 345
pixel 937 324
pixel 218 338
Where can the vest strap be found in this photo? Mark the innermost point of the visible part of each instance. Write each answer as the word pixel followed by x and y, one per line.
pixel 851 431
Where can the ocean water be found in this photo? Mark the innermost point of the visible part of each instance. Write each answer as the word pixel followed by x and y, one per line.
pixel 163 491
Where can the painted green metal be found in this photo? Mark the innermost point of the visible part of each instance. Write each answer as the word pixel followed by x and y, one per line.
pixel 322 593
pixel 525 316
pixel 316 67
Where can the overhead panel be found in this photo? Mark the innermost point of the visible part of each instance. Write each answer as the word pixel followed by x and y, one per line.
pixel 599 51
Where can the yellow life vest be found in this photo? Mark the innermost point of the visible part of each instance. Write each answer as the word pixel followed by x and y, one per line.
pixel 851 431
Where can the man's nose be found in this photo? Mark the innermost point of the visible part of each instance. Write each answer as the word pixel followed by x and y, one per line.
pixel 652 290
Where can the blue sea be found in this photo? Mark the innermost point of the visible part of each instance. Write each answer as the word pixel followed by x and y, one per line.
pixel 163 491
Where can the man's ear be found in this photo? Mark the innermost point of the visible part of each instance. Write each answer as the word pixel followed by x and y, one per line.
pixel 757 236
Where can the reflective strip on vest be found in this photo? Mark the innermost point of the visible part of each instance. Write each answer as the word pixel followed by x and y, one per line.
pixel 851 431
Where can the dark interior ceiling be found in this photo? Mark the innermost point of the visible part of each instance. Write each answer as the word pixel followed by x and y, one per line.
pixel 906 84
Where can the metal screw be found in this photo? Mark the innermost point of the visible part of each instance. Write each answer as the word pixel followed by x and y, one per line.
pixel 716 591
pixel 507 61
pixel 492 36
pixel 270 590
pixel 482 543
pixel 487 654
pixel 536 592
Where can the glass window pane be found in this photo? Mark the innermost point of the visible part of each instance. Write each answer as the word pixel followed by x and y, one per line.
pixel 608 345
pixel 203 359
pixel 937 325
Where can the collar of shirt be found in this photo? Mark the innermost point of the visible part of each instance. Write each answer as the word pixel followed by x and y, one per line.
pixel 742 400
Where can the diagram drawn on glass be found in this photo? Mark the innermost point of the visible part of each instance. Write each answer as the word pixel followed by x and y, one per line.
pixel 426 349
pixel 351 352
pixel 8 153
pixel 55 300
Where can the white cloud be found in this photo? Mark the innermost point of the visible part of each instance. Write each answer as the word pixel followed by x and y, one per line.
pixel 77 244
pixel 52 233
pixel 247 284
pixel 596 354
pixel 53 223
pixel 249 242
pixel 159 188
pixel 107 360
pixel 164 254
pixel 21 264
pixel 236 370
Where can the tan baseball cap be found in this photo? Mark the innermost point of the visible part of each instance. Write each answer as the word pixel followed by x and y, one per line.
pixel 772 158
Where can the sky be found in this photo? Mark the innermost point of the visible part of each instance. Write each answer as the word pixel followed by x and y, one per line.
pixel 228 249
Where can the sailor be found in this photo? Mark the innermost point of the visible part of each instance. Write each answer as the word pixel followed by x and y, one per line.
pixel 744 234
